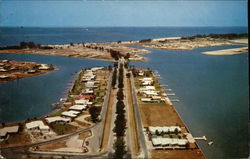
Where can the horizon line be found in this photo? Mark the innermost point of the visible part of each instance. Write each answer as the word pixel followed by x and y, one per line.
pixel 115 26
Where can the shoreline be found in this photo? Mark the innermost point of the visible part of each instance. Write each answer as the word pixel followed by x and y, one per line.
pixel 234 51
pixel 111 51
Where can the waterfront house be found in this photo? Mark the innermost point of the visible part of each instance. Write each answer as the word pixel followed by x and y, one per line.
pixel 146 79
pixel 96 68
pixel 57 119
pixel 147 100
pixel 88 97
pixel 3 70
pixel 44 67
pixel 4 132
pixel 147 83
pixel 37 125
pixel 88 91
pixel 157 98
pixel 78 107
pixel 169 143
pixel 3 77
pixel 71 113
pixel 81 102
pixel 163 129
pixel 150 93
pixel 32 71
pixel 90 84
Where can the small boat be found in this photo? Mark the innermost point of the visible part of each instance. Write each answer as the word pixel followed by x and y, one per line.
pixel 210 143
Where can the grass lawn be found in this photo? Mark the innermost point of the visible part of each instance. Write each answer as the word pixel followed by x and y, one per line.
pixel 153 104
pixel 61 129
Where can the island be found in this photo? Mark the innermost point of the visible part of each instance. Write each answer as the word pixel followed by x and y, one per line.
pixel 12 70
pixel 112 51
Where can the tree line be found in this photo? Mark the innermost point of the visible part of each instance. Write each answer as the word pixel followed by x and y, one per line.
pixel 217 36
pixel 26 45
pixel 120 121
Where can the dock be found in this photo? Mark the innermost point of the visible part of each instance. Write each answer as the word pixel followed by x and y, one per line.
pixel 164 85
pixel 168 89
pixel 171 94
pixel 201 138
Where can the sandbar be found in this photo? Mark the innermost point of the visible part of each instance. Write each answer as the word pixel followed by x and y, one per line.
pixel 227 51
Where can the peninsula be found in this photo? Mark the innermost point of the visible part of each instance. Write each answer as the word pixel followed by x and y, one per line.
pixel 11 70
pixel 107 113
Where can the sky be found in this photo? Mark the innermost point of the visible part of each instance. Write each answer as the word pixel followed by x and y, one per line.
pixel 122 13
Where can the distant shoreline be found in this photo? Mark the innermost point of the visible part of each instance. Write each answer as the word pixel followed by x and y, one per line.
pixel 112 51
pixel 234 51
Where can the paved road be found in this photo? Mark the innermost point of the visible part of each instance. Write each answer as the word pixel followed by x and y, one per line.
pixel 97 131
pixel 142 140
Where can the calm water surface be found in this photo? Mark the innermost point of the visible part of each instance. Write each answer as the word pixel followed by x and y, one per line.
pixel 213 93
pixel 31 97
pixel 213 90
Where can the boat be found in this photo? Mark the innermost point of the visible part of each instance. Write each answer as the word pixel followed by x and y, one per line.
pixel 210 143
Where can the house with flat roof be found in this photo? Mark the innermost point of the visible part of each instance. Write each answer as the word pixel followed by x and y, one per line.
pixel 88 91
pixel 4 132
pixel 169 143
pixel 81 102
pixel 147 100
pixel 71 113
pixel 44 67
pixel 37 125
pixel 163 129
pixel 57 119
pixel 78 107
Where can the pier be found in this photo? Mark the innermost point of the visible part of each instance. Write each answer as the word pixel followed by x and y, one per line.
pixel 164 85
pixel 168 89
pixel 201 138
pixel 171 94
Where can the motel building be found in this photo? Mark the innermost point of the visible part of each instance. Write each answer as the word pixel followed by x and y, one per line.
pixel 37 126
pixel 6 131
pixel 57 119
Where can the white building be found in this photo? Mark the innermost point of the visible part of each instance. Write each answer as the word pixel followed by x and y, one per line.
pixel 164 129
pixel 161 143
pixel 4 132
pixel 37 125
pixel 44 67
pixel 78 107
pixel 57 119
pixel 146 100
pixel 71 113
pixel 81 102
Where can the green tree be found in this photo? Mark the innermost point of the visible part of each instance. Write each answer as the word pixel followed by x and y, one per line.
pixel 94 112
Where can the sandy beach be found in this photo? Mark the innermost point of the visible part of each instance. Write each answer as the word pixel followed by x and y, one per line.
pixel 227 51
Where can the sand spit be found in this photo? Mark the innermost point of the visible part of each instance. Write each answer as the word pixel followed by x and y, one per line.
pixel 240 41
pixel 227 51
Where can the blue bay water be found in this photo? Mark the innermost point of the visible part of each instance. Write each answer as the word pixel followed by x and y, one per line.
pixel 213 93
pixel 13 36
pixel 32 96
pixel 213 90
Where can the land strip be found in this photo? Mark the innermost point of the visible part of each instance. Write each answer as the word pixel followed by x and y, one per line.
pixel 166 134
pixel 114 50
pixel 234 51
pixel 12 70
pixel 107 125
pixel 135 149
